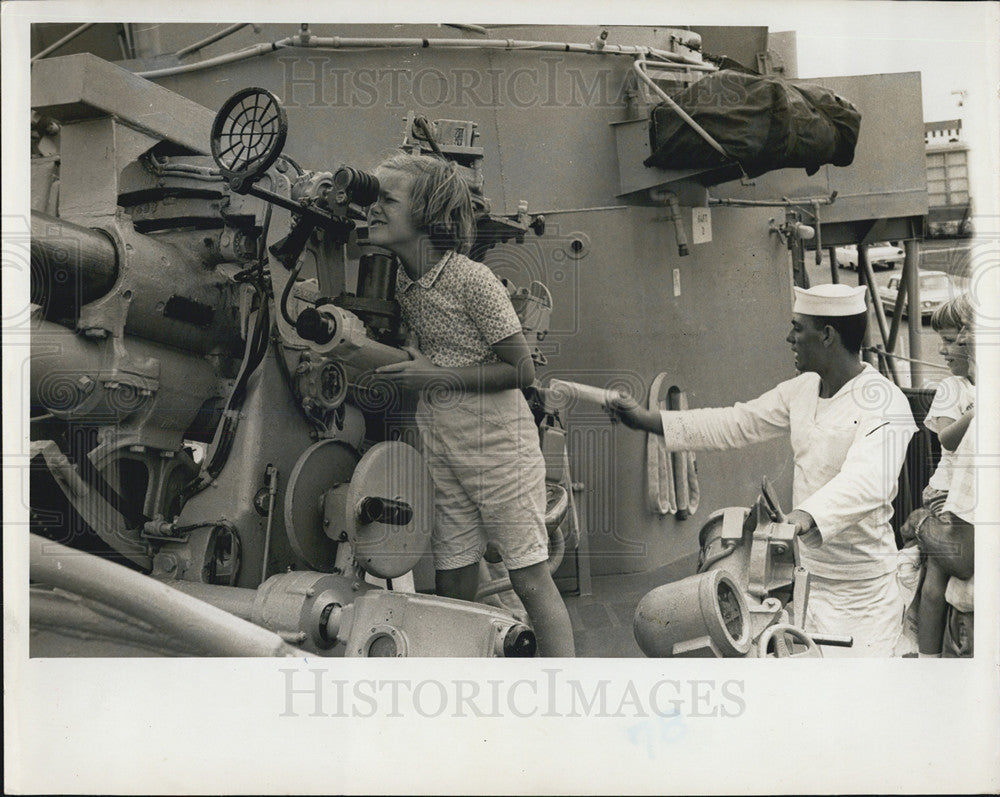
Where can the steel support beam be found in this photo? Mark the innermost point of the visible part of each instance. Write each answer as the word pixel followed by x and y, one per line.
pixel 864 269
pixel 911 276
pixel 879 313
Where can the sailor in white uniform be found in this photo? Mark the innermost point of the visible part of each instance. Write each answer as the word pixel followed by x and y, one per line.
pixel 849 428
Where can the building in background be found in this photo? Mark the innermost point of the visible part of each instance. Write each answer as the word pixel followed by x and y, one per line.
pixel 949 212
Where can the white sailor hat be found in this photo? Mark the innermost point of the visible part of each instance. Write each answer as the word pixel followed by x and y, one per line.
pixel 830 300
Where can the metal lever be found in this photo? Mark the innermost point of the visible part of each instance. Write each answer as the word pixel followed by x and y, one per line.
pixel 771 500
pixel 833 640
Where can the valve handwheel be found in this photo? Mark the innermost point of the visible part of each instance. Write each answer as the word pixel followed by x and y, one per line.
pixel 777 632
pixel 248 134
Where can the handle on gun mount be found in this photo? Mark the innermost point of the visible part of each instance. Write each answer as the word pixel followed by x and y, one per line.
pixel 771 500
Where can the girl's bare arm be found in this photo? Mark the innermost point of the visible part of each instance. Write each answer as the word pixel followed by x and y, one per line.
pixel 952 434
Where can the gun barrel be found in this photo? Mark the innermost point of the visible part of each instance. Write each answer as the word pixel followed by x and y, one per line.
pixel 70 265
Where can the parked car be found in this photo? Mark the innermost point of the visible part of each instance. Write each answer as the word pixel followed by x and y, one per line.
pixel 881 256
pixel 936 287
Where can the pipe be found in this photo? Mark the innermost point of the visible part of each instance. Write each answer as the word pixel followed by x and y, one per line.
pixel 580 210
pixel 775 203
pixel 186 619
pixel 70 265
pixel 68 615
pixel 797 251
pixel 339 42
pixel 64 40
pixel 675 216
pixel 727 550
pixel 911 360
pixel 237 601
pixel 228 58
pixel 123 41
pixel 192 48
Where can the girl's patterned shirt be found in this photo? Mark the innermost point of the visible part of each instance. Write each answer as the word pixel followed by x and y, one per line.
pixel 457 310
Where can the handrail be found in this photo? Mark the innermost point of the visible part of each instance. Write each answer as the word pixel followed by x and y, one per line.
pixel 639 66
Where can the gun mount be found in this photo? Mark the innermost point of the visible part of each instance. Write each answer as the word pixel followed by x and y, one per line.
pixel 204 408
pixel 748 598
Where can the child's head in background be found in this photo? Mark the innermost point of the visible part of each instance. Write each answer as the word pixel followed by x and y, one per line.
pixel 949 320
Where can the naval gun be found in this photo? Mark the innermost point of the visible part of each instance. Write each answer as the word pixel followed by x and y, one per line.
pixel 204 409
pixel 747 599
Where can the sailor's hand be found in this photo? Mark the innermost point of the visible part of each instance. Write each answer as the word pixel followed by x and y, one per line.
pixel 412 374
pixel 622 407
pixel 805 527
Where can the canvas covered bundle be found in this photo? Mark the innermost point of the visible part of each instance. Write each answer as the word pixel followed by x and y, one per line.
pixel 762 122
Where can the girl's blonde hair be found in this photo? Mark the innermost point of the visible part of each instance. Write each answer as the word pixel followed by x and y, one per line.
pixel 953 314
pixel 440 201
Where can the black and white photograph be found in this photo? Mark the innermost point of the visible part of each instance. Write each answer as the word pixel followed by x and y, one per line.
pixel 655 346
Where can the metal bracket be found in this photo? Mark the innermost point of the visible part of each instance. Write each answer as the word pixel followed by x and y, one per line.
pixel 800 596
pixel 772 558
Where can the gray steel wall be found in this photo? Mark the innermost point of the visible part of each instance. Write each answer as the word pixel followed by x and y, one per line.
pixel 547 141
